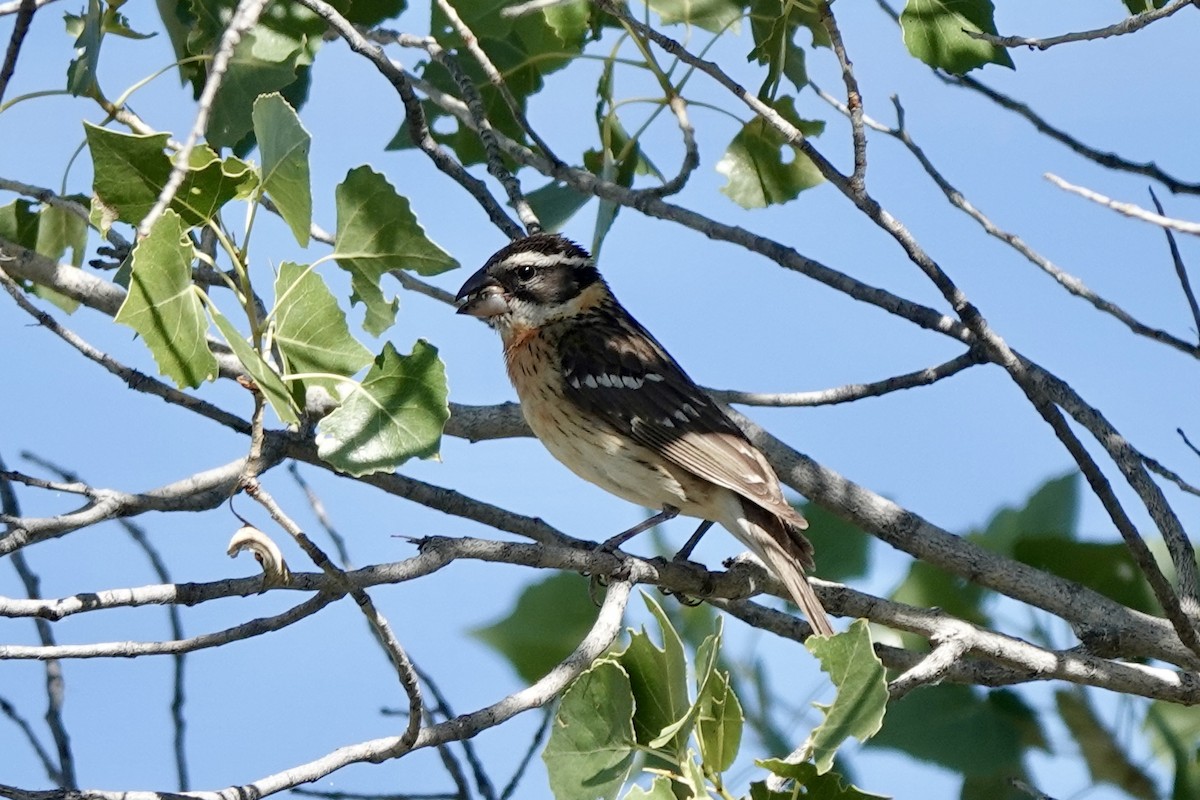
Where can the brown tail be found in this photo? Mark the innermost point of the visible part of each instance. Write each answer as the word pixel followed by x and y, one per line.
pixel 785 551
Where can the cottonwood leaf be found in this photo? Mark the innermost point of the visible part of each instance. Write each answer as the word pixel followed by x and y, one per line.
pixel 549 620
pixel 773 26
pixel 396 413
pixel 1050 513
pixel 719 723
pixel 377 232
pixel 843 549
pixel 164 306
pixel 284 144
pixel 311 330
pixel 658 680
pixel 762 168
pixel 261 64
pixel 705 668
pixel 130 171
pixel 660 789
pixel 862 693
pixel 1106 757
pixel 711 15
pixel 88 30
pixel 935 31
pixel 929 723
pixel 817 786
pixel 268 380
pixel 591 746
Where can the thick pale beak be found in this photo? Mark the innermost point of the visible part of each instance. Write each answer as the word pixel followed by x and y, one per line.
pixel 481 296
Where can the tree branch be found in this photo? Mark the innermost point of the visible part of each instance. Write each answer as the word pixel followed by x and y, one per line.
pixel 1130 24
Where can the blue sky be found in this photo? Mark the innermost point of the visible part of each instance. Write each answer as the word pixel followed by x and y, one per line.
pixel 953 452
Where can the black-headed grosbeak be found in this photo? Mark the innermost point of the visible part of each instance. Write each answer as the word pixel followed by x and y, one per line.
pixel 608 401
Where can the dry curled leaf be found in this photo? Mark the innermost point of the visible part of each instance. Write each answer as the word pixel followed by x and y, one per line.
pixel 266 552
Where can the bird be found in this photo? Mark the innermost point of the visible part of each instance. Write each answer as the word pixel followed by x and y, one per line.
pixel 608 401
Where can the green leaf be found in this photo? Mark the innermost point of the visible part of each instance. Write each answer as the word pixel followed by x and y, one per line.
pixel 935 31
pixel 1105 756
pixel 311 330
pixel 260 64
pixel 131 170
pixel 397 412
pixel 817 786
pixel 719 724
pixel 548 622
pixel 928 724
pixel 89 32
pixel 370 13
pixel 524 49
pixel 591 746
pixel 658 680
pixel 268 380
pixel 692 781
pixel 926 586
pixel 773 25
pixel 285 145
pixel 711 15
pixel 758 173
pixel 660 789
pixel 58 231
pixel 19 223
pixel 555 204
pixel 1174 733
pixel 377 232
pixel 1107 568
pixel 843 549
pixel 705 667
pixel 1051 512
pixel 1141 6
pixel 862 693
pixel 164 306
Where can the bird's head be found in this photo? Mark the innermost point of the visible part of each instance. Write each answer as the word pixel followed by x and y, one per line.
pixel 532 282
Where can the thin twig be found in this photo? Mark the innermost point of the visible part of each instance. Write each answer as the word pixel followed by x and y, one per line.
pixel 400 661
pixel 138 381
pixel 418 125
pixel 1130 24
pixel 853 391
pixel 10 711
pixel 854 101
pixel 496 79
pixel 535 746
pixel 1180 269
pixel 318 509
pixel 1107 160
pixel 1068 281
pixel 20 28
pixel 175 621
pixel 442 706
pixel 55 685
pixel 128 649
pixel 1128 209
pixel 244 18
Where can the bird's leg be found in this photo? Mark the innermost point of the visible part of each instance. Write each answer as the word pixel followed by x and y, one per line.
pixel 682 558
pixel 667 513
pixel 690 544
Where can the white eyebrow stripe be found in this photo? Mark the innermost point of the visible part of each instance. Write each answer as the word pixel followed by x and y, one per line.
pixel 532 258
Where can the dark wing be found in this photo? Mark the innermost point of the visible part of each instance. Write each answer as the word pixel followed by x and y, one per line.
pixel 615 370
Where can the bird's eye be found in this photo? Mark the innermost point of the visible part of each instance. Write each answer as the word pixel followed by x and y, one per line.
pixel 526 272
